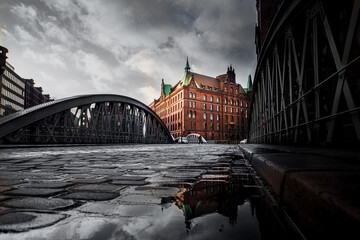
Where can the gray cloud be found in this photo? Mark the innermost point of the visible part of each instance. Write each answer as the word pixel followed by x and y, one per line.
pixel 125 47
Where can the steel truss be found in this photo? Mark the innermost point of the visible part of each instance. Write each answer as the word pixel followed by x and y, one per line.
pixel 97 119
pixel 307 81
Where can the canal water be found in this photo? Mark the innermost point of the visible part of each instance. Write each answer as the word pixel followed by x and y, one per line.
pixel 190 192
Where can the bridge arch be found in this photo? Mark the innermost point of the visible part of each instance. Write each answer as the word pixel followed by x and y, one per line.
pixel 101 118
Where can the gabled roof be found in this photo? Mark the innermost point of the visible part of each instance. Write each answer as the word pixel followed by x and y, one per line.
pixel 206 81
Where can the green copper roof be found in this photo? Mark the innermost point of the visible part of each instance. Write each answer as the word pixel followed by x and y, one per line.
pixel 185 81
pixel 167 88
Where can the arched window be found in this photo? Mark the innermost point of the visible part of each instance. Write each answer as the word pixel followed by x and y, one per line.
pixel 218 108
pixel 231 101
pixel 194 115
pixel 190 104
pixel 237 102
pixel 194 104
pixel 217 99
pixel 204 116
pixel 231 90
pixel 194 95
pixel 211 98
pixel 190 95
pixel 204 97
pixel 225 100
pixel 211 116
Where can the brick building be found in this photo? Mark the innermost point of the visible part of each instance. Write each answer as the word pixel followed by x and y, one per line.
pixel 215 108
pixel 34 95
pixel 266 11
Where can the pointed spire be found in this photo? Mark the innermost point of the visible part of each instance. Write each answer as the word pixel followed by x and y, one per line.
pixel 249 83
pixel 187 67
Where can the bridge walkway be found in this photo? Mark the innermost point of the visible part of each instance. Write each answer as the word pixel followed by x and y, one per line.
pixel 318 188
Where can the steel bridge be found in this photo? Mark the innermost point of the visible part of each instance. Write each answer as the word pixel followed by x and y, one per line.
pixel 85 119
pixel 307 82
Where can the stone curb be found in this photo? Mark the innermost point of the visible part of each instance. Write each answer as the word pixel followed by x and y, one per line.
pixel 320 192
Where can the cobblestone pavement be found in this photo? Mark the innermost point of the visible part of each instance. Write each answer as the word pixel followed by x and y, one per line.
pixel 99 192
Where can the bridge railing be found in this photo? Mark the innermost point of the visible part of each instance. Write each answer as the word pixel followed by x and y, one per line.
pixel 307 82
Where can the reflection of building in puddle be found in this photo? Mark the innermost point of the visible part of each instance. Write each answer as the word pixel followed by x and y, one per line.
pixel 210 196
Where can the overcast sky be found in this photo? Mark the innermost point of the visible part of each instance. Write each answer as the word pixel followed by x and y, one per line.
pixel 73 47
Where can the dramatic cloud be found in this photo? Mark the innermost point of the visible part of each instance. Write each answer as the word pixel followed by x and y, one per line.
pixel 72 47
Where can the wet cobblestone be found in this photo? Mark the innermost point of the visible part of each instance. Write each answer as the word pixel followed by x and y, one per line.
pixel 74 183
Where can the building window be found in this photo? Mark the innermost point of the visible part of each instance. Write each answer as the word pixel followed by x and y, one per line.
pixel 205 126
pixel 194 114
pixel 225 109
pixel 190 95
pixel 241 104
pixel 226 118
pixel 225 101
pixel 211 107
pixel 190 104
pixel 231 90
pixel 194 95
pixel 237 110
pixel 217 99
pixel 218 108
pixel 190 114
pixel 211 116
pixel 231 101
pixel 204 106
pixel 246 105
pixel 194 104
pixel 237 102
pixel 218 117
pixel 218 127
pixel 204 97
pixel 231 110
pixel 204 116
pixel 211 98
pixel 232 118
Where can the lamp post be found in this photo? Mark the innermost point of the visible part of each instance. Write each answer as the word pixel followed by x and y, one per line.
pixel 3 57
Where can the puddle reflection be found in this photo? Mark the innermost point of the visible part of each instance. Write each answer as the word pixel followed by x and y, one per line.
pixel 220 206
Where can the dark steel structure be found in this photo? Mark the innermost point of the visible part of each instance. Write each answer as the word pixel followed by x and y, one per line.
pixel 307 83
pixel 85 119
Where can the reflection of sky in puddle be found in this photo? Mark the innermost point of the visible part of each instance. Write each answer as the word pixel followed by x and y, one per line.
pixel 160 223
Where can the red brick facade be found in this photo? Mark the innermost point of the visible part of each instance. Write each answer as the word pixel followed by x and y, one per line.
pixel 215 108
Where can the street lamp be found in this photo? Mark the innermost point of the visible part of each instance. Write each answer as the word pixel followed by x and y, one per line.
pixel 3 57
